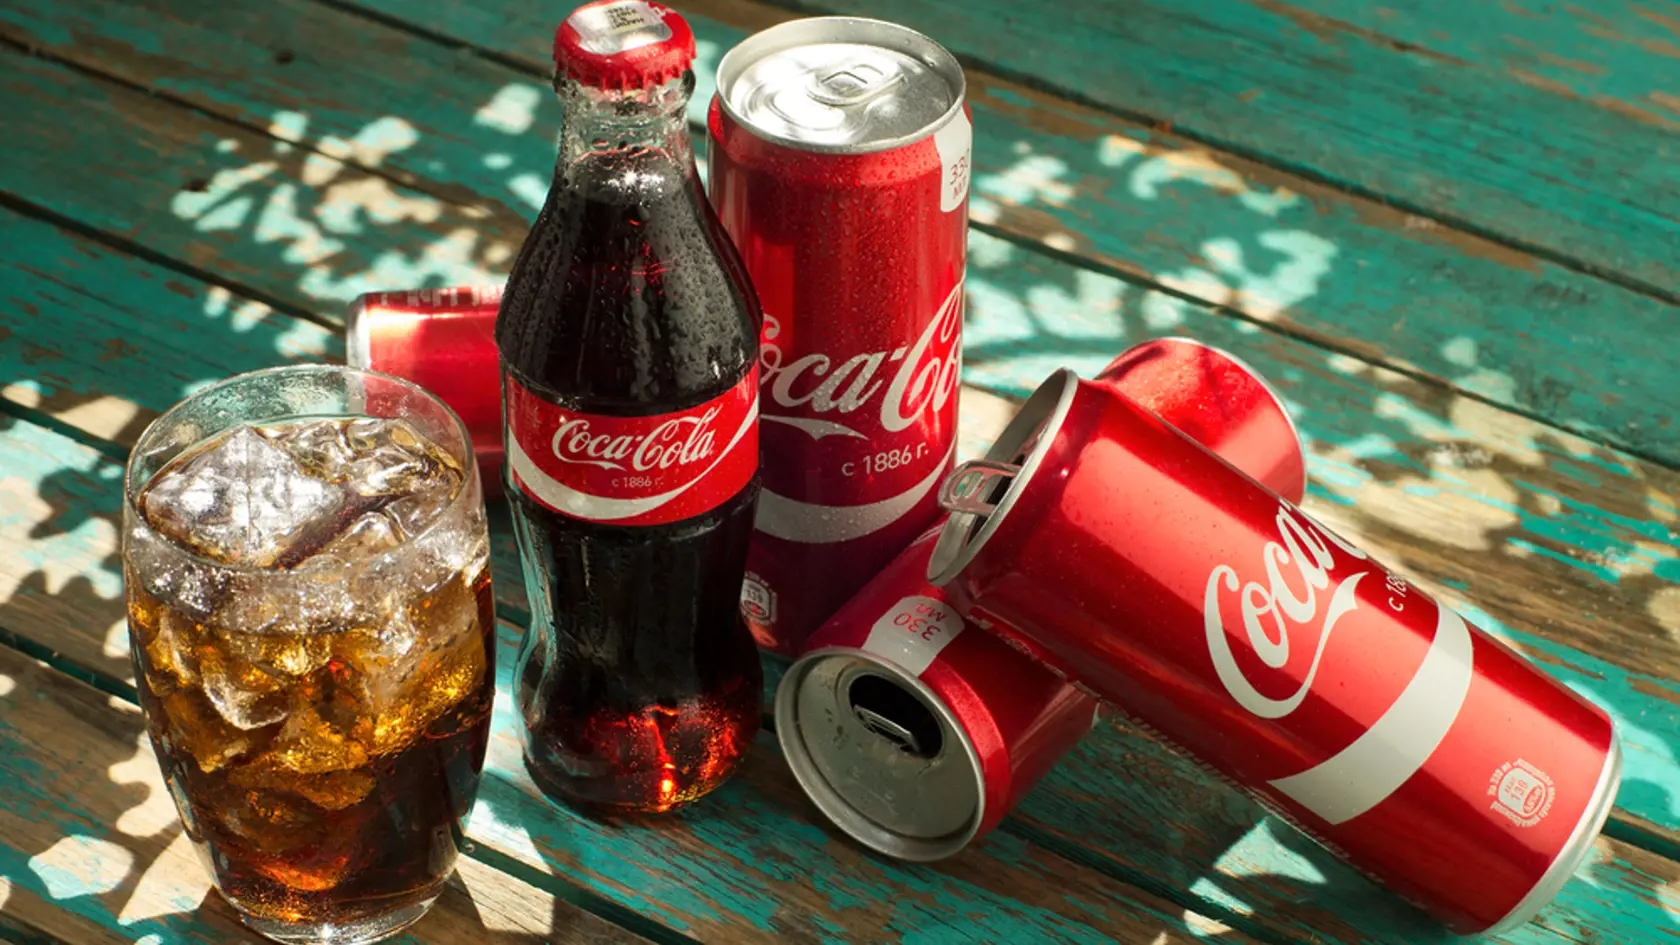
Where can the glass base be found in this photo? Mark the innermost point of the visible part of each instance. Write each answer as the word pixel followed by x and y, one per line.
pixel 357 932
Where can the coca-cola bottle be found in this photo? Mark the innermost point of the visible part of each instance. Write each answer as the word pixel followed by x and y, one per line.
pixel 628 337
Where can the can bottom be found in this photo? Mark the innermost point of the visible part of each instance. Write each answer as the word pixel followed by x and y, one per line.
pixel 1574 852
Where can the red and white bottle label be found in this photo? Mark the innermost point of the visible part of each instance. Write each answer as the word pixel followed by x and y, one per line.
pixel 633 470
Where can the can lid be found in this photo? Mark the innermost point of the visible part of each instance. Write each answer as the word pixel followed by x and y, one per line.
pixel 623 44
pixel 980 492
pixel 880 754
pixel 839 84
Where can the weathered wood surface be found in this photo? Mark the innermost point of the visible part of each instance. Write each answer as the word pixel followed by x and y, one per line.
pixel 1461 141
pixel 1349 272
pixel 92 851
pixel 1027 317
pixel 1621 56
pixel 1568 540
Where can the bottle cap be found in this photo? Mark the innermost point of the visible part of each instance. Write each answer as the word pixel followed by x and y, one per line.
pixel 623 44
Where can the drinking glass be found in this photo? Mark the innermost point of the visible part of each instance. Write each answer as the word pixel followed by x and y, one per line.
pixel 307 570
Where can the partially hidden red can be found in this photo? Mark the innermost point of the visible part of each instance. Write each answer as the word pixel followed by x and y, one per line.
pixel 915 734
pixel 1126 558
pixel 839 164
pixel 443 340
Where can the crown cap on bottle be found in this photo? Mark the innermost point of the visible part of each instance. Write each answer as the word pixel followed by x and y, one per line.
pixel 623 44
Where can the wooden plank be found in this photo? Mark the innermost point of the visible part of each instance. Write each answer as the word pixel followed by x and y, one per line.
pixel 1349 272
pixel 285 222
pixel 1122 800
pixel 1448 138
pixel 91 850
pixel 1618 55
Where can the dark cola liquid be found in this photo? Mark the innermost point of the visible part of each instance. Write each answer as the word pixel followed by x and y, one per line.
pixel 316 818
pixel 638 682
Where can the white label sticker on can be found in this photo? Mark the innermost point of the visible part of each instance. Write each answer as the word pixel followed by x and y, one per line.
pixel 913 631
pixel 757 599
pixel 955 144
pixel 1521 792
pixel 614 27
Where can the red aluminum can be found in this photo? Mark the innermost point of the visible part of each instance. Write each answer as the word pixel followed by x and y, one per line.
pixel 916 735
pixel 839 164
pixel 443 340
pixel 1126 558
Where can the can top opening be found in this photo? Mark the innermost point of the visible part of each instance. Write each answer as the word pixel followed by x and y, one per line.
pixel 880 754
pixel 980 493
pixel 842 85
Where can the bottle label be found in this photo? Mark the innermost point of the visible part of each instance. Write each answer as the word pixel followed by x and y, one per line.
pixel 632 470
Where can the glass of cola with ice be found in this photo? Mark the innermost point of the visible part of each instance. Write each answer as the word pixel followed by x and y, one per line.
pixel 309 609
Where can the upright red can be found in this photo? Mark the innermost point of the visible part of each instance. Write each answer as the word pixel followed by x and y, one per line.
pixel 444 340
pixel 1125 557
pixel 916 734
pixel 839 164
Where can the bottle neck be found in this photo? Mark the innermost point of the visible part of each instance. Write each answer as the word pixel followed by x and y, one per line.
pixel 605 121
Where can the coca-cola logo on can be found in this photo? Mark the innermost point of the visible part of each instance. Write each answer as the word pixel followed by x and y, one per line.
pixel 1308 580
pixel 823 398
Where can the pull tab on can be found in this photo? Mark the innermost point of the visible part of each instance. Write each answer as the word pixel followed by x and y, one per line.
pixel 852 84
pixel 888 729
pixel 970 486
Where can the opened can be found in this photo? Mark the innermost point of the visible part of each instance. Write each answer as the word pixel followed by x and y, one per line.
pixel 839 163
pixel 916 734
pixel 443 340
pixel 1125 557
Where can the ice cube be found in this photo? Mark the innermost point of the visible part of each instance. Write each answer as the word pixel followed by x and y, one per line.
pixel 245 501
pixel 412 513
pixel 294 845
pixel 370 534
pixel 423 661
pixel 284 656
pixel 169 651
pixel 393 461
pixel 245 696
pixel 309 744
pixel 319 445
pixel 332 790
pixel 191 723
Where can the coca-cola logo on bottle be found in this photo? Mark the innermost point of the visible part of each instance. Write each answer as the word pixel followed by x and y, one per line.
pixel 1279 605
pixel 678 441
pixel 633 470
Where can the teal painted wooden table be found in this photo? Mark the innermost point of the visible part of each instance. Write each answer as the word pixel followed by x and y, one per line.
pixel 1450 232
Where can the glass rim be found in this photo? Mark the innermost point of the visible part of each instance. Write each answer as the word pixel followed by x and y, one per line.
pixel 131 490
